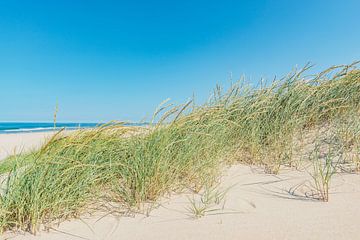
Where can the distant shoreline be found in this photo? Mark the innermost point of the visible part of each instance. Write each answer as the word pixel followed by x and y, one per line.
pixel 34 127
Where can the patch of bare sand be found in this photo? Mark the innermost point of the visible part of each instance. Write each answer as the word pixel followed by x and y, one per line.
pixel 257 206
pixel 15 143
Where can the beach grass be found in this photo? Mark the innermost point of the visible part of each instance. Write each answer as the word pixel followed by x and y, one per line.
pixel 185 147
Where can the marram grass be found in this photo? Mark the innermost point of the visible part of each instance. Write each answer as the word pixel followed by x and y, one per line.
pixel 186 148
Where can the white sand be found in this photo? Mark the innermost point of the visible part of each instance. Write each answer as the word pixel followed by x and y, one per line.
pixel 21 142
pixel 258 206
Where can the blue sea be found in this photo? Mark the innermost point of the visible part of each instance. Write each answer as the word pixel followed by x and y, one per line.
pixel 19 127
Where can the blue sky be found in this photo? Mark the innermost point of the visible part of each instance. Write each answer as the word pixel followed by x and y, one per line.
pixel 104 60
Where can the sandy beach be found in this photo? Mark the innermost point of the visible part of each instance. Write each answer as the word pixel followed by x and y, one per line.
pixel 201 120
pixel 21 142
pixel 255 206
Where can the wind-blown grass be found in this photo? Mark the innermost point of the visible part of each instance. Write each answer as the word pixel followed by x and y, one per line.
pixel 184 149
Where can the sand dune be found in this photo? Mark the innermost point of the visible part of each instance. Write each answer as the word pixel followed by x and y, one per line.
pixel 255 206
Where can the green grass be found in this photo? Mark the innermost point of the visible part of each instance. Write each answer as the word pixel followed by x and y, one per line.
pixel 186 148
pixel 210 201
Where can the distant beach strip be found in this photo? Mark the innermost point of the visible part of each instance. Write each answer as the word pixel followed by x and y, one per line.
pixel 24 127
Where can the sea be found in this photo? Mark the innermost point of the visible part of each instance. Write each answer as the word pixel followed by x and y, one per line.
pixel 23 127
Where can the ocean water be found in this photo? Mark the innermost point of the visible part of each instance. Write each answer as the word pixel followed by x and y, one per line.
pixel 18 127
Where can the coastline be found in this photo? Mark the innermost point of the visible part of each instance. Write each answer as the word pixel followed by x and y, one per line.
pixel 37 127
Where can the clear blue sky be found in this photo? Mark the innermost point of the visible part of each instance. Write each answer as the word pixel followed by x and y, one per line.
pixel 104 60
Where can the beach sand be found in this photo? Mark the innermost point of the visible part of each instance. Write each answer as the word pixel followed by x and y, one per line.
pixel 21 142
pixel 255 206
